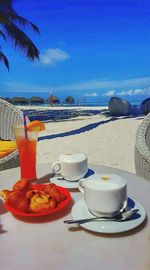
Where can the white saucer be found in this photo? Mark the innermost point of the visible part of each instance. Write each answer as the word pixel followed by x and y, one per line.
pixel 80 211
pixel 70 184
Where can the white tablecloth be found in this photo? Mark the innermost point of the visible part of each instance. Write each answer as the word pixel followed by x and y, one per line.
pixel 48 243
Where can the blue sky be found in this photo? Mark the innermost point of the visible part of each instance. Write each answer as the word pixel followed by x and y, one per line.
pixel 94 49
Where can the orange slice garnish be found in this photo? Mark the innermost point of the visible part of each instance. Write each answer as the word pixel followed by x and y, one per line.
pixel 34 124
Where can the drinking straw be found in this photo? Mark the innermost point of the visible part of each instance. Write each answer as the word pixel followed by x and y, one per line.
pixel 25 124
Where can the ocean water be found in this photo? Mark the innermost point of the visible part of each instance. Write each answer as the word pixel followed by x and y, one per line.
pixel 80 101
pixel 85 104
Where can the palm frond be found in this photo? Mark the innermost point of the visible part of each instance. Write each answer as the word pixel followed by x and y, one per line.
pixel 4 59
pixel 23 22
pixel 6 2
pixel 2 35
pixel 3 18
pixel 8 14
pixel 11 23
pixel 22 41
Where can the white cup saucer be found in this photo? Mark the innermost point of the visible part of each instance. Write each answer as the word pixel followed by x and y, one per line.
pixel 58 180
pixel 80 211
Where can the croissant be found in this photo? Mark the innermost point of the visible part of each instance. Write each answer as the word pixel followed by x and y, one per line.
pixel 52 191
pixel 17 200
pixel 21 184
pixel 30 193
pixel 25 198
pixel 41 203
pixel 5 193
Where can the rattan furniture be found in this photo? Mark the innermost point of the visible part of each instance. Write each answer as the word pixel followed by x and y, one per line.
pixel 9 116
pixel 142 148
pixel 118 107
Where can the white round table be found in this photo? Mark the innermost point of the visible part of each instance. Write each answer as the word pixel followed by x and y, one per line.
pixel 47 243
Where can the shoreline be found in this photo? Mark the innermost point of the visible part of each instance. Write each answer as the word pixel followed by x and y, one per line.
pixel 38 107
pixel 58 114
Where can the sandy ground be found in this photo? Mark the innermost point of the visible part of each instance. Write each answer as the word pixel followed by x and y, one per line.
pixel 105 140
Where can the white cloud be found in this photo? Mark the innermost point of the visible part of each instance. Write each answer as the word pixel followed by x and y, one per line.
pixel 106 84
pixel 139 92
pixel 132 92
pixel 91 95
pixel 87 86
pixel 110 93
pixel 122 93
pixel 52 56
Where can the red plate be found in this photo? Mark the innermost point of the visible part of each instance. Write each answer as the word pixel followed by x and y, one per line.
pixel 60 206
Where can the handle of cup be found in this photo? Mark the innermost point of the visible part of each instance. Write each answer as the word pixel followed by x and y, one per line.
pixel 81 185
pixel 54 167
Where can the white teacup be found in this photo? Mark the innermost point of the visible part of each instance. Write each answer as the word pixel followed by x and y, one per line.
pixel 104 194
pixel 71 166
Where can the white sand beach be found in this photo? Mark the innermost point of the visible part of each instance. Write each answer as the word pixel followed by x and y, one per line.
pixel 105 140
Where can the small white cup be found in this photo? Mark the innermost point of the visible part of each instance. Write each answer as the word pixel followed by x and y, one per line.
pixel 71 166
pixel 104 194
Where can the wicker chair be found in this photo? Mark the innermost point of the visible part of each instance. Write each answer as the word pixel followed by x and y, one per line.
pixel 142 148
pixel 118 107
pixel 146 105
pixel 9 116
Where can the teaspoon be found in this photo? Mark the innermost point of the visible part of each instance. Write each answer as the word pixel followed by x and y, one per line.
pixel 118 217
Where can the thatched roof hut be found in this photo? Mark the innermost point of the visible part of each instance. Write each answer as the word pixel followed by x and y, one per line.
pixel 69 100
pixel 19 101
pixel 36 100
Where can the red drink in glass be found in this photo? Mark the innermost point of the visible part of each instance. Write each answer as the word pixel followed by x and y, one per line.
pixel 27 144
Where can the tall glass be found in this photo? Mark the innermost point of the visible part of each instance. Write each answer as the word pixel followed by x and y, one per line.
pixel 26 141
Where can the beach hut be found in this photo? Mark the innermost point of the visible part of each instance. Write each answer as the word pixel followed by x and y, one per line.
pixel 69 100
pixel 19 101
pixel 36 100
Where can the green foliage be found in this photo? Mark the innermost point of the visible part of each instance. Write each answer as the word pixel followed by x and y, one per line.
pixel 12 26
